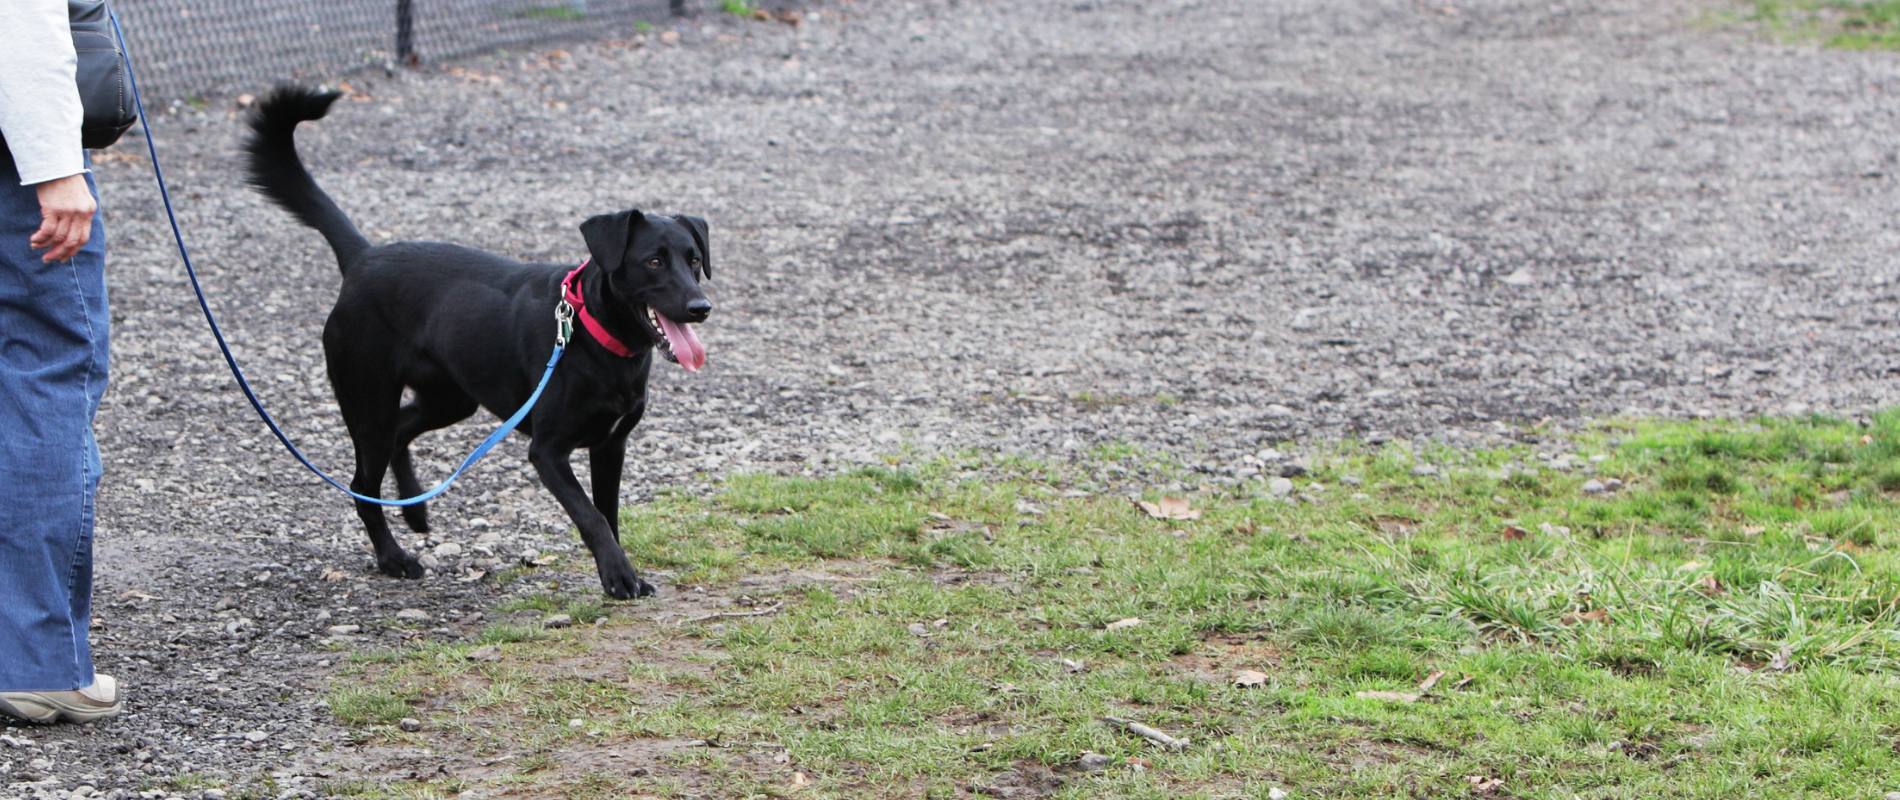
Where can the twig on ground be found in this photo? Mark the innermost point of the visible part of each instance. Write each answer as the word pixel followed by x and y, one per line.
pixel 757 612
pixel 1148 733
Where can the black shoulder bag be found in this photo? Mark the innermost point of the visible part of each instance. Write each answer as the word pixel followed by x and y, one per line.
pixel 102 85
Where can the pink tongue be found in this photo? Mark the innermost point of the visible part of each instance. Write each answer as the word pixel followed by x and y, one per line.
pixel 686 347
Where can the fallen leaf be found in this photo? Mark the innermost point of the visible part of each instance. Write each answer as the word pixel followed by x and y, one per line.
pixel 1462 682
pixel 1513 533
pixel 1431 680
pixel 134 594
pixel 332 575
pixel 1390 697
pixel 1137 763
pixel 1710 586
pixel 1593 615
pixel 1073 665
pixel 1122 624
pixel 799 779
pixel 1248 678
pixel 1485 787
pixel 1169 508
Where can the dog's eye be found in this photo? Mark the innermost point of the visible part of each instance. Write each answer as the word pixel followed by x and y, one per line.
pixel 653 263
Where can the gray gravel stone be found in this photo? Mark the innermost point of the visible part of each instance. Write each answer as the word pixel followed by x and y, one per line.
pixel 557 621
pixel 1594 486
pixel 1279 487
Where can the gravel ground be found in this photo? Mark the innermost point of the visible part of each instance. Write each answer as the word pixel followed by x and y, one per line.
pixel 1205 226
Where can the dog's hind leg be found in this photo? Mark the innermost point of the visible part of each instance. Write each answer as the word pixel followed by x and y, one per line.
pixel 368 397
pixel 431 410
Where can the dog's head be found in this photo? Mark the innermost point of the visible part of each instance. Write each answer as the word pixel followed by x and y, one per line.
pixel 652 265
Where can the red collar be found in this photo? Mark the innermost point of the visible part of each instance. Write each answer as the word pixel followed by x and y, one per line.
pixel 571 292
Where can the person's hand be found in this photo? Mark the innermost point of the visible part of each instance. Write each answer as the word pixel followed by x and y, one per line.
pixel 66 208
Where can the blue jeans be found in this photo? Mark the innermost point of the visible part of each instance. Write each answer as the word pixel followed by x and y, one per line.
pixel 52 372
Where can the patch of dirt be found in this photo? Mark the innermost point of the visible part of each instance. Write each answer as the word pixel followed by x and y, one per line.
pixel 1220 656
pixel 458 741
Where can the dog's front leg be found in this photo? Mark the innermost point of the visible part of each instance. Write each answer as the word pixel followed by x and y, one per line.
pixel 606 461
pixel 616 573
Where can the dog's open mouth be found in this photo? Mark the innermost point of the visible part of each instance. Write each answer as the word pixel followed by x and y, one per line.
pixel 681 345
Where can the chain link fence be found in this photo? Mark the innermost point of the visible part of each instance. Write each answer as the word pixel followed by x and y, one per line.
pixel 191 48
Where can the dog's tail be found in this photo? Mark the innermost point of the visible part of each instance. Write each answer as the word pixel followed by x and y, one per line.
pixel 276 170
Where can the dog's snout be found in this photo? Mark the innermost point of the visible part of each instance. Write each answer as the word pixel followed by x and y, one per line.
pixel 697 310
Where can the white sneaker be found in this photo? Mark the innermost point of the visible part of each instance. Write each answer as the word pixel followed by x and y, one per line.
pixel 98 701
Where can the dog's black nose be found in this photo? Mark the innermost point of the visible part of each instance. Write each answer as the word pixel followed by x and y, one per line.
pixel 697 310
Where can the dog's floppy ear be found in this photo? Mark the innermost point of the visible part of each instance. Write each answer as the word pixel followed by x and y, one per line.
pixel 698 228
pixel 607 236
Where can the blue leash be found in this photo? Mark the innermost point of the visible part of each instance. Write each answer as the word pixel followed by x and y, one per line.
pixel 563 315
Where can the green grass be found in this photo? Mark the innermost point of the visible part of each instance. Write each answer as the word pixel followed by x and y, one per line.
pixel 1725 624
pixel 737 8
pixel 1847 24
pixel 563 13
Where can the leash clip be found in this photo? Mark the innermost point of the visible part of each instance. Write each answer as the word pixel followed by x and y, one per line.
pixel 563 323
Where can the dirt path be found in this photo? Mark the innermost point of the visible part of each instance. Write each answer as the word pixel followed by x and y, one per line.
pixel 1203 226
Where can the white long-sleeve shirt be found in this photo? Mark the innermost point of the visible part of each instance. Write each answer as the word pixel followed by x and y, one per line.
pixel 40 114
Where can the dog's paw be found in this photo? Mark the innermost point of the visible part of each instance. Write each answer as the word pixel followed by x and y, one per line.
pixel 626 586
pixel 402 565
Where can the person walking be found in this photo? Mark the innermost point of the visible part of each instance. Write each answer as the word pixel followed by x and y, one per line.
pixel 53 330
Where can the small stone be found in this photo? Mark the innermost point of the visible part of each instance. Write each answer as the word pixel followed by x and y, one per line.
pixel 214 794
pixel 256 736
pixel 412 615
pixel 448 550
pixel 1093 762
pixel 557 621
pixel 577 723
pixel 342 630
pixel 1279 487
pixel 429 561
pixel 1892 796
pixel 1424 471
pixel 1612 484
pixel 409 724
pixel 918 629
pixel 530 556
pixel 1277 793
pixel 1594 486
pixel 1352 480
pixel 1294 468
pixel 486 652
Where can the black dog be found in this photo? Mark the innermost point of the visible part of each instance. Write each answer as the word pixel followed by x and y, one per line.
pixel 461 328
